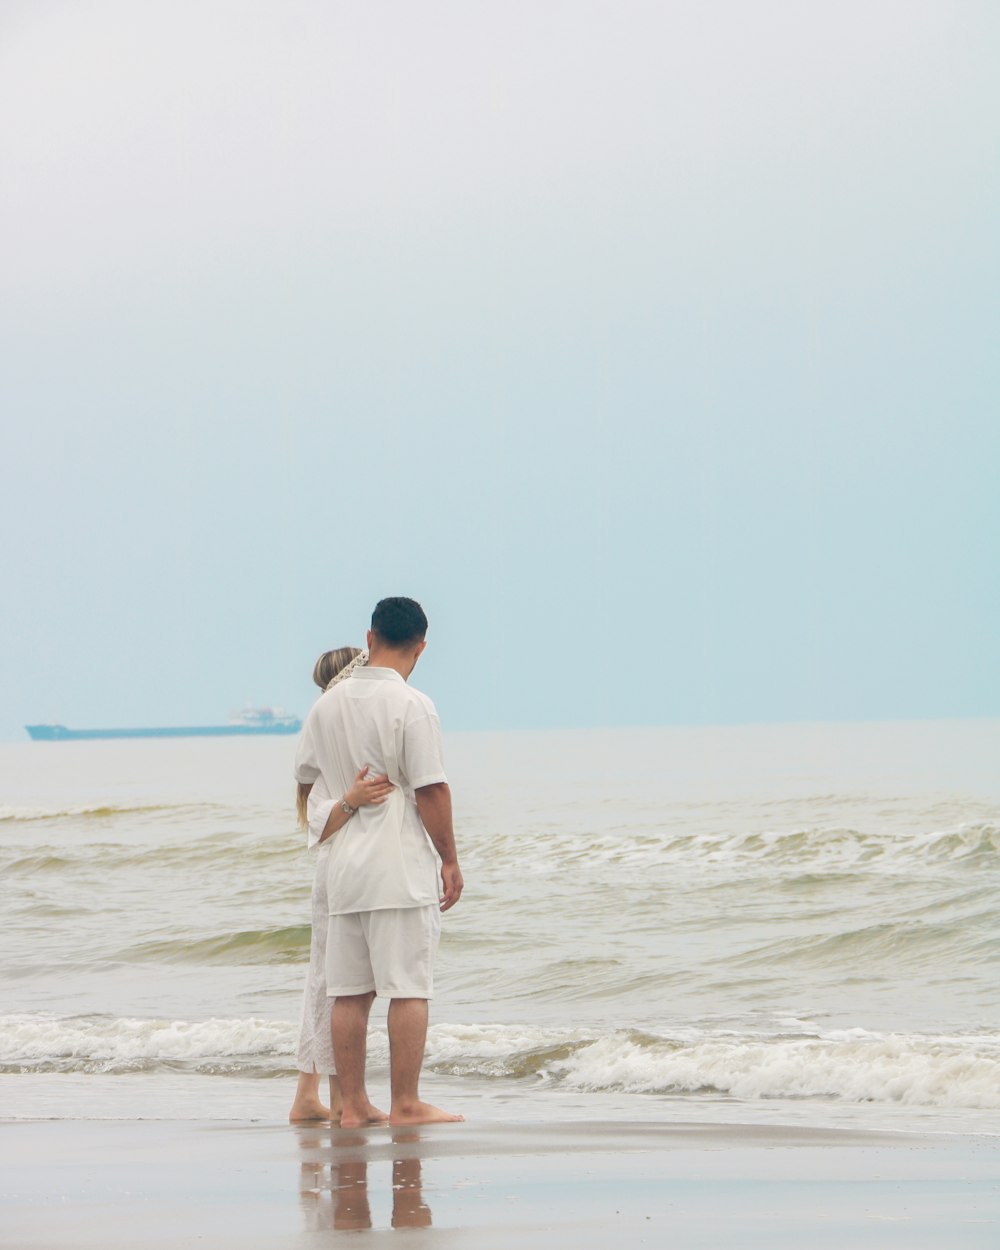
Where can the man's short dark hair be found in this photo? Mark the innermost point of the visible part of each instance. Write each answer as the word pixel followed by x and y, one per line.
pixel 398 622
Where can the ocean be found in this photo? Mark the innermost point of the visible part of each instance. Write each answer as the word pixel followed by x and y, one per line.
pixel 788 924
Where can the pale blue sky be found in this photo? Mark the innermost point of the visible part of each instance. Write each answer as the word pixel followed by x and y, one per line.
pixel 652 346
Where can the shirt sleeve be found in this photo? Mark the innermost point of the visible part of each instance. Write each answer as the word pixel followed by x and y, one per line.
pixel 306 763
pixel 423 759
pixel 318 810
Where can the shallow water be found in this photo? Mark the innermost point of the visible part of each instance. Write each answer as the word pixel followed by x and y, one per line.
pixel 793 922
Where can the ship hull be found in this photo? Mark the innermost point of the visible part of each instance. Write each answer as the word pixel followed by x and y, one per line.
pixel 59 733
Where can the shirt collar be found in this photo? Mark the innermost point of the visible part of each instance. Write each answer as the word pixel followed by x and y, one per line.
pixel 367 672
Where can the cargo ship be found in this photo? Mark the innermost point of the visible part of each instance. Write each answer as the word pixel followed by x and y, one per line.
pixel 251 722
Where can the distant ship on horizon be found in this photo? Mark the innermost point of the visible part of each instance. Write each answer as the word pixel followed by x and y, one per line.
pixel 250 722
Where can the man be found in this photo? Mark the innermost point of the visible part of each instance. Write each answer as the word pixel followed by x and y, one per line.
pixel 385 905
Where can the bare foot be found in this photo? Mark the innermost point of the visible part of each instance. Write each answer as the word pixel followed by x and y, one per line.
pixel 366 1117
pixel 423 1113
pixel 308 1112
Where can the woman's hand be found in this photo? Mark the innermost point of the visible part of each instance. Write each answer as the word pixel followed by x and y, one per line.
pixel 368 791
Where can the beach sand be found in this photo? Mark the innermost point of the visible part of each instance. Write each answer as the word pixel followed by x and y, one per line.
pixel 92 1183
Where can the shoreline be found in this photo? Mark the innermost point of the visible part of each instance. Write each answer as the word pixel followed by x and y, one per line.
pixel 73 1185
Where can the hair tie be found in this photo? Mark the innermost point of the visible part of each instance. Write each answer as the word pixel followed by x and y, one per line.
pixel 360 659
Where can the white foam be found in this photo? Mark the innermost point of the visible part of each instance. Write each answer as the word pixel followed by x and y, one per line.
pixel 846 1065
pixel 492 1041
pixel 851 1066
pixel 29 1038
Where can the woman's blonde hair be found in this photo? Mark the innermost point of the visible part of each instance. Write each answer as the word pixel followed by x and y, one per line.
pixel 325 670
pixel 330 663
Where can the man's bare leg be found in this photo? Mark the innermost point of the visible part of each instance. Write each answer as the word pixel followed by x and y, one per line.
pixel 407 1037
pixel 349 1023
pixel 307 1106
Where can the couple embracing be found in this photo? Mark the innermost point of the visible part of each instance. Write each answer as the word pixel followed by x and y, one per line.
pixel 370 759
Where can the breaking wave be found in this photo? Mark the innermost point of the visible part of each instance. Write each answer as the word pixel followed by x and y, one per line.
pixel 845 1066
pixel 822 849
pixel 106 1044
pixel 853 1066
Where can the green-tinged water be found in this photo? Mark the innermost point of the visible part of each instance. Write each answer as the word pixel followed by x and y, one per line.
pixel 790 922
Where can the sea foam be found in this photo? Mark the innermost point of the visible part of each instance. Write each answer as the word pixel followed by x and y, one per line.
pixel 851 1066
pixel 107 1043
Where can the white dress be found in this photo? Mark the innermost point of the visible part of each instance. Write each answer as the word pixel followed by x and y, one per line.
pixel 315 1049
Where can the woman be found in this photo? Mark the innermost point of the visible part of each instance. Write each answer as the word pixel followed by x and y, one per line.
pixel 314 1056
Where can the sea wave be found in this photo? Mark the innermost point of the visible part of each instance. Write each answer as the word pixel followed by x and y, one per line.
pixel 846 1066
pixel 913 943
pixel 110 1044
pixel 854 1066
pixel 94 810
pixel 107 856
pixel 289 945
pixel 837 849
pixel 817 853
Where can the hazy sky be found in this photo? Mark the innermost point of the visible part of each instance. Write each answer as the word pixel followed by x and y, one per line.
pixel 652 346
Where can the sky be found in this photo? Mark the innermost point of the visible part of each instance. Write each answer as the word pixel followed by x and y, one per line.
pixel 651 346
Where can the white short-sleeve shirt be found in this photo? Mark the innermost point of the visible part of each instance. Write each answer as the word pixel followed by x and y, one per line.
pixel 382 857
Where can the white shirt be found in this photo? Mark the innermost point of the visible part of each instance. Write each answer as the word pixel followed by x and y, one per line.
pixel 382 857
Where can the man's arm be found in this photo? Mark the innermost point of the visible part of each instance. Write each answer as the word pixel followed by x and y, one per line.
pixel 434 806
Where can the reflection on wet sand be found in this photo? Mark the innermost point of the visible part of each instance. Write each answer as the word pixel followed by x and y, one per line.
pixel 341 1202
pixel 408 1207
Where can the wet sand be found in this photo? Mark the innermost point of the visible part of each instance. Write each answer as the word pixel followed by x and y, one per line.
pixel 109 1184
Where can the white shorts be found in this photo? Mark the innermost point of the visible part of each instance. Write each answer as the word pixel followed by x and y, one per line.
pixel 390 951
